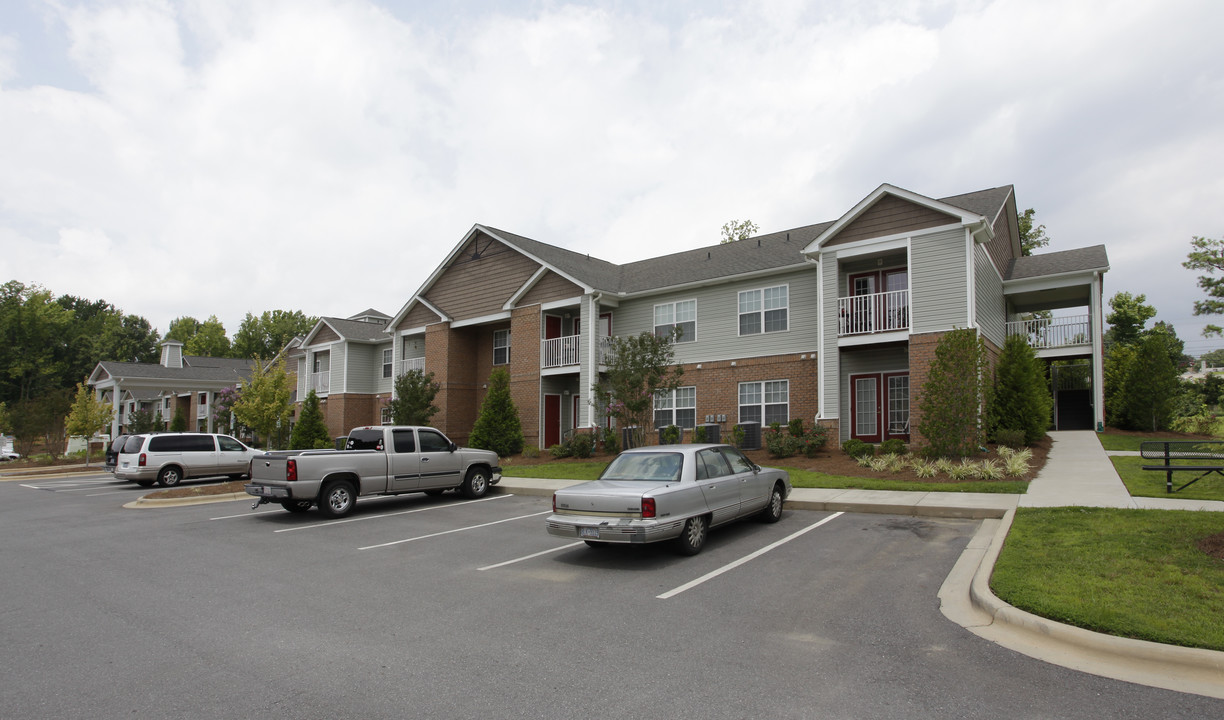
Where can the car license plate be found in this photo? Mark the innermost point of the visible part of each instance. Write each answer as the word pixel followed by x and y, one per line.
pixel 588 532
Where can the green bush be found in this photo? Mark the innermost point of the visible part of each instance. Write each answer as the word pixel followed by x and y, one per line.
pixel 737 435
pixel 562 450
pixel 782 444
pixel 531 451
pixel 796 427
pixel 856 448
pixel 893 446
pixel 951 398
pixel 611 442
pixel 1010 438
pixel 497 427
pixel 814 440
pixel 582 445
pixel 669 435
pixel 1021 399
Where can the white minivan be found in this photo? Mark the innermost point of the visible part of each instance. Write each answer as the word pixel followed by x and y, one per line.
pixel 170 458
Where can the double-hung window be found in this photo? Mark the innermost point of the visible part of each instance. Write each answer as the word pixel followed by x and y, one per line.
pixel 763 310
pixel 501 347
pixel 387 363
pixel 682 314
pixel 678 407
pixel 764 402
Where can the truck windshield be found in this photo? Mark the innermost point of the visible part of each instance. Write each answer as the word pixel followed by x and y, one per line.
pixel 365 440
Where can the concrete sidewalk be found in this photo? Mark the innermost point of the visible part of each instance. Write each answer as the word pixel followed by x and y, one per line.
pixel 1077 473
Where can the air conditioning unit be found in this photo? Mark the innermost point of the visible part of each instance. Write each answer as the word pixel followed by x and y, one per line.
pixel 752 435
pixel 712 433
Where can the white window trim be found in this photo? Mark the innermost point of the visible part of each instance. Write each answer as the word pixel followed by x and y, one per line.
pixel 740 406
pixel 671 397
pixel 388 363
pixel 761 313
pixel 673 323
pixel 505 347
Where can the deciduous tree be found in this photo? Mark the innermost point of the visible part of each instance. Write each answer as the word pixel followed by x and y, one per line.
pixel 1031 238
pixel 88 416
pixel 1208 254
pixel 738 230
pixel 268 334
pixel 414 395
pixel 638 368
pixel 263 404
pixel 209 340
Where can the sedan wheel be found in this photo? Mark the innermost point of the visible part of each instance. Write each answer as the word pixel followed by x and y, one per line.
pixel 773 511
pixel 693 538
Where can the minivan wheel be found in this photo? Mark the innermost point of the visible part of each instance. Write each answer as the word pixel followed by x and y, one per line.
pixel 337 499
pixel 170 476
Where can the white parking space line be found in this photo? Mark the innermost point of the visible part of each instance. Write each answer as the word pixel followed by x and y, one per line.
pixel 448 532
pixel 387 515
pixel 533 555
pixel 68 485
pixel 360 501
pixel 731 566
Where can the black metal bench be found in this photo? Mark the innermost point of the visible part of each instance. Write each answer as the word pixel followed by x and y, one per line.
pixel 1207 457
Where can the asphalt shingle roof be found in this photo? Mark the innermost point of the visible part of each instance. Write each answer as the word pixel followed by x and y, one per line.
pixel 358 330
pixel 229 371
pixel 1058 263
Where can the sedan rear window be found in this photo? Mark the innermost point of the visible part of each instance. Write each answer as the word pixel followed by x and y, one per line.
pixel 656 467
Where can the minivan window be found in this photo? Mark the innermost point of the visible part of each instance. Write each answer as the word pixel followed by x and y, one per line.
pixel 181 443
pixel 133 444
pixel 229 444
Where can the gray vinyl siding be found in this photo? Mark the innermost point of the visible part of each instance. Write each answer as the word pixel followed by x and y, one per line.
pixel 717 327
pixel 338 384
pixel 991 306
pixel 876 359
pixel 828 381
pixel 939 282
pixel 303 378
pixel 364 371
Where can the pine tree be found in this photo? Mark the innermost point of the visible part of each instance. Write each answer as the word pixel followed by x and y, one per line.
pixel 497 427
pixel 414 395
pixel 310 432
pixel 1151 386
pixel 1021 400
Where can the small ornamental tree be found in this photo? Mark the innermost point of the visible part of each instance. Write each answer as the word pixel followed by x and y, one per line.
pixel 638 368
pixel 264 403
pixel 952 396
pixel 143 421
pixel 88 416
pixel 414 395
pixel 497 427
pixel 310 432
pixel 223 408
pixel 1021 400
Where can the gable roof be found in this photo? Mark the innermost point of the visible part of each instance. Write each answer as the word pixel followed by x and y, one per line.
pixel 350 330
pixel 205 369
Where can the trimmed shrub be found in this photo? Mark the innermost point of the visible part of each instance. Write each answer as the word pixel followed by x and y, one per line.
pixel 856 448
pixel 782 444
pixel 893 446
pixel 1021 399
pixel 611 442
pixel 561 450
pixel 669 435
pixel 796 427
pixel 582 445
pixel 951 398
pixel 814 440
pixel 1010 438
pixel 497 427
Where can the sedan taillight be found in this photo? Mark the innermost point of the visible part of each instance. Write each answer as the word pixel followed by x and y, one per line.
pixel 648 507
pixel 554 502
pixel 291 470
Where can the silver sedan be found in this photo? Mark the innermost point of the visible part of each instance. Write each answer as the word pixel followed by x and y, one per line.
pixel 668 492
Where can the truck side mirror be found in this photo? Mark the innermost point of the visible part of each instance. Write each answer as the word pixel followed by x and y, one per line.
pixel 453 446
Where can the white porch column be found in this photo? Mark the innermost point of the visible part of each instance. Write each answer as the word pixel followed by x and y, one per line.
pixel 1098 352
pixel 590 331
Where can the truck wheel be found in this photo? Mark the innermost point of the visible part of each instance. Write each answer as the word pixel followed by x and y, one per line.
pixel 337 499
pixel 296 506
pixel 170 476
pixel 476 484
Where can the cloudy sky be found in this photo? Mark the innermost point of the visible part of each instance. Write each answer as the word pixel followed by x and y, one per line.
pixel 204 157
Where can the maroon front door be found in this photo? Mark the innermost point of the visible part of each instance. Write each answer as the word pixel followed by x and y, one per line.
pixel 552 420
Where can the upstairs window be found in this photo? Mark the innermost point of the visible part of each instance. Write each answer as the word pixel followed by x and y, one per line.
pixel 763 310
pixel 682 314
pixel 501 347
pixel 387 362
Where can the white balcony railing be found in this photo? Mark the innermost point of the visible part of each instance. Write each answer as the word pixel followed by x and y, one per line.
pixel 874 313
pixel 559 352
pixel 201 412
pixel 1047 333
pixel 320 382
pixel 411 364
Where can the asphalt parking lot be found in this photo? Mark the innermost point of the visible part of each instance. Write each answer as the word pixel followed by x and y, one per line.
pixel 447 608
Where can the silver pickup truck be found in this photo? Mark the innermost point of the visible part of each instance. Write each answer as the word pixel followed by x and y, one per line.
pixel 386 460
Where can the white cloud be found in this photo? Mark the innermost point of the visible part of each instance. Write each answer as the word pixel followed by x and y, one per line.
pixel 235 155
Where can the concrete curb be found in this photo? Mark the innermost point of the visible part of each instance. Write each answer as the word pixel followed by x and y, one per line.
pixel 1170 667
pixel 147 502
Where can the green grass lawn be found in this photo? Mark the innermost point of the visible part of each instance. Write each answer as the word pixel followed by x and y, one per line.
pixel 557 471
pixel 1132 573
pixel 1151 483
pixel 815 479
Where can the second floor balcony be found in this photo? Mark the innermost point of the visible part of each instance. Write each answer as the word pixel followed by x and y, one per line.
pixel 873 313
pixel 566 351
pixel 410 364
pixel 320 382
pixel 1054 333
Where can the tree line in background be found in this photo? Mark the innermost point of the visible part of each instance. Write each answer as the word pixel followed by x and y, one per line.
pixel 50 344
